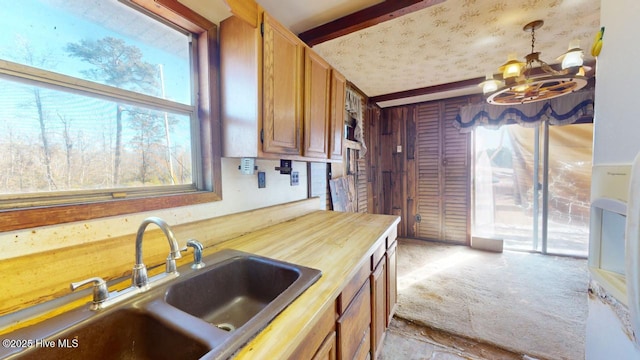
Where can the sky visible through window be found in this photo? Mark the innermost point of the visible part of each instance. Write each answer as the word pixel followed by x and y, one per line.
pixel 55 140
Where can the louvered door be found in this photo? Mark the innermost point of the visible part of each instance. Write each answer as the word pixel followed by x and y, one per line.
pixel 428 147
pixel 442 179
pixel 456 182
pixel 361 185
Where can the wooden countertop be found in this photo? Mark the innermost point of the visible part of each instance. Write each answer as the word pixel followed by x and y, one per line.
pixel 333 242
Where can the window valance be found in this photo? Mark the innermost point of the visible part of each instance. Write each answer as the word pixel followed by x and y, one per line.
pixel 562 110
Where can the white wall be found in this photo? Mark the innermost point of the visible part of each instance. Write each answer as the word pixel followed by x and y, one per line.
pixel 617 97
pixel 239 193
pixel 616 141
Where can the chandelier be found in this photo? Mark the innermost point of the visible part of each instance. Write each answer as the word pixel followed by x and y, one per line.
pixel 522 83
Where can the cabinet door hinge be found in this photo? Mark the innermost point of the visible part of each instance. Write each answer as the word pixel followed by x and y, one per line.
pixel 262 136
pixel 262 29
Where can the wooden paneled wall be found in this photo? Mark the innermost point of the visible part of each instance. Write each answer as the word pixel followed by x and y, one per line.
pixel 395 162
pixel 372 136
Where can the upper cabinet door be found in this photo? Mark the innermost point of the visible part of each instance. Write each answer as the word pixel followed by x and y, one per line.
pixel 282 89
pixel 317 83
pixel 336 134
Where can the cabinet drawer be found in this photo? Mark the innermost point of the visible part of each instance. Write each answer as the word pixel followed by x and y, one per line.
pixel 353 287
pixel 377 256
pixel 391 238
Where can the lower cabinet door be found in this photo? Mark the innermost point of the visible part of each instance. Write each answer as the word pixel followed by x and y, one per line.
pixel 353 326
pixel 392 281
pixel 378 308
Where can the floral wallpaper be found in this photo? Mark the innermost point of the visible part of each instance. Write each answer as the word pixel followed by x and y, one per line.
pixel 458 40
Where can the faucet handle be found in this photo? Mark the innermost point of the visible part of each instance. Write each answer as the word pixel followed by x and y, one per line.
pixel 100 290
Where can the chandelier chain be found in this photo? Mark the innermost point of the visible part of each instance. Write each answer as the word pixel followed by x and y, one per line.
pixel 533 39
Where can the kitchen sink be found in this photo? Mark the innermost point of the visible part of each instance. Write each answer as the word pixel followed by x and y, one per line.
pixel 233 292
pixel 241 294
pixel 124 334
pixel 206 313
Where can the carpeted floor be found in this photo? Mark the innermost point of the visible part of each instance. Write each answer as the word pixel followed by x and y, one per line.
pixel 530 304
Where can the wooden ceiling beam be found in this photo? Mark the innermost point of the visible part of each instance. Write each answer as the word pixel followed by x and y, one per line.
pixel 373 15
pixel 457 85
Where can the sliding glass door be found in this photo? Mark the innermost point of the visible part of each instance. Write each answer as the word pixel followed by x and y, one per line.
pixel 502 187
pixel 570 154
pixel 530 205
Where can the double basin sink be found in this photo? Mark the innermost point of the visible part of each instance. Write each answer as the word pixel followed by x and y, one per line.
pixel 206 313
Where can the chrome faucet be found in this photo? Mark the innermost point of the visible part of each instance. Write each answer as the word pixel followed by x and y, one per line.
pixel 139 276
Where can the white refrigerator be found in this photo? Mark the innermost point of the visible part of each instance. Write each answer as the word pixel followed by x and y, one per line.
pixel 613 323
pixel 611 333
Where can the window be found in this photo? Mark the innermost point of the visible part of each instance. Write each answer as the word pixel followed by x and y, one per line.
pixel 107 108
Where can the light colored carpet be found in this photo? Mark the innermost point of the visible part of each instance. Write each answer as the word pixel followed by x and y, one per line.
pixel 530 304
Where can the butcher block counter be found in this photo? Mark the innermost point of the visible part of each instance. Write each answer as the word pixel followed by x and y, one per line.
pixel 336 243
pixel 336 315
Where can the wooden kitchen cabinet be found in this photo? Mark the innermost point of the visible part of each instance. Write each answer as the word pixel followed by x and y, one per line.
pixel 327 350
pixel 320 343
pixel 317 86
pixel 392 279
pixel 282 89
pixel 378 307
pixel 276 94
pixel 354 341
pixel 363 311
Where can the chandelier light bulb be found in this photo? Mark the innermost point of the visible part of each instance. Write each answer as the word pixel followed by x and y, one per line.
pixel 489 87
pixel 573 57
pixel 512 68
pixel 490 84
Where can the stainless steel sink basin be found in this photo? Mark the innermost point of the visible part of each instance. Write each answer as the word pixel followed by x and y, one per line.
pixel 206 313
pixel 233 292
pixel 124 334
pixel 240 294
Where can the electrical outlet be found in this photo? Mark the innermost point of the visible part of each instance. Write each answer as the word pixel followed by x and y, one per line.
pixel 285 167
pixel 295 178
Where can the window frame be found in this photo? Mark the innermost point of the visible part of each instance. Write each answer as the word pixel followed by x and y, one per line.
pixel 208 108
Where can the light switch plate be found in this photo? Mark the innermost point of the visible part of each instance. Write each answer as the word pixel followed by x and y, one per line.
pixel 295 178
